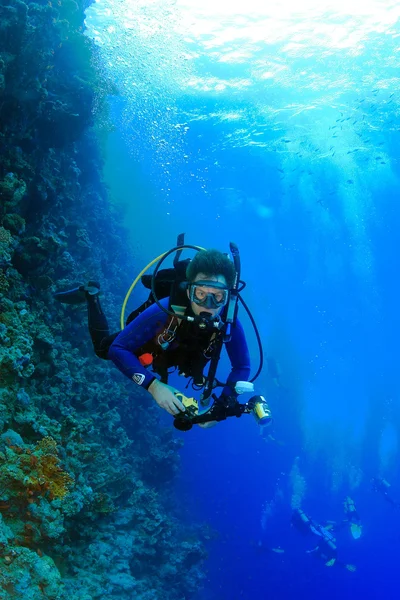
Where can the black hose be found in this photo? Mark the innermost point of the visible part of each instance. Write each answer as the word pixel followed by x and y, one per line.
pixel 260 348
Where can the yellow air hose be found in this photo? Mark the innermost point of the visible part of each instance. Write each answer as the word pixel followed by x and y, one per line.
pixel 142 272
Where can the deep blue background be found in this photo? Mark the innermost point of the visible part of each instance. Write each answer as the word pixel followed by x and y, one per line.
pixel 322 287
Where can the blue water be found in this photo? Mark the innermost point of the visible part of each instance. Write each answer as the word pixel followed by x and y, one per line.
pixel 277 126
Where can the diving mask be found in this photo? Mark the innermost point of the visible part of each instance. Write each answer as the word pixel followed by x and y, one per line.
pixel 210 294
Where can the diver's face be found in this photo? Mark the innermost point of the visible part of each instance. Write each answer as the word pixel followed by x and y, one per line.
pixel 196 308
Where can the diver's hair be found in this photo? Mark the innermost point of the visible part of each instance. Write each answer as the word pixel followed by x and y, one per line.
pixel 211 263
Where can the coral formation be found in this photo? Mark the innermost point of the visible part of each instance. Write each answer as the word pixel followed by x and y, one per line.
pixel 86 471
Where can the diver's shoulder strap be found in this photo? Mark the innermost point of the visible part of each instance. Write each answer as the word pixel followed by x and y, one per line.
pixel 169 283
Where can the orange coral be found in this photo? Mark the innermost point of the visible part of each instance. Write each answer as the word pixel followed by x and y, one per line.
pixel 47 445
pixel 40 472
pixel 50 475
pixel 58 481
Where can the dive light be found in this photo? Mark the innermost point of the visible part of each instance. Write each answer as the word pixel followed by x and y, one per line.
pixel 261 411
pixel 260 408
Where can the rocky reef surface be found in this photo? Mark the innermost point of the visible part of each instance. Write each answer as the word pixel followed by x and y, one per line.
pixel 87 507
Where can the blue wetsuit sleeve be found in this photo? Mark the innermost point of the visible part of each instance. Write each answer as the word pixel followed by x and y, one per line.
pixel 140 331
pixel 238 353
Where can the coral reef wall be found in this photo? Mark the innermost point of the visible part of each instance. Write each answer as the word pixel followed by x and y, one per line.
pixel 86 472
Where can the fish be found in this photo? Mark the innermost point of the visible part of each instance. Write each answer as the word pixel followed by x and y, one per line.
pixel 350 181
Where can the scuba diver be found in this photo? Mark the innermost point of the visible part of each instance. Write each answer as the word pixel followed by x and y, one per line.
pixel 191 313
pixel 300 521
pixel 352 517
pixel 303 523
pixel 326 549
pixel 306 525
pixel 382 486
pixel 327 552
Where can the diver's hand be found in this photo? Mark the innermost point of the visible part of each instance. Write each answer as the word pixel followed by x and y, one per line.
pixel 165 397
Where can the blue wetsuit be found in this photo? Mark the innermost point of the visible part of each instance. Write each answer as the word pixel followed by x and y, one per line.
pixel 145 328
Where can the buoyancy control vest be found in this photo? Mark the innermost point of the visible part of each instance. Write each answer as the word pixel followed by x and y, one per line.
pixel 178 344
pixel 172 283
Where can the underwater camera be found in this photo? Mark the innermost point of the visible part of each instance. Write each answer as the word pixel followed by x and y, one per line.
pixel 221 409
pixel 184 421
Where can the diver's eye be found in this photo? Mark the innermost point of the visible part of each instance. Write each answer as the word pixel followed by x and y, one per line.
pixel 218 296
pixel 200 294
